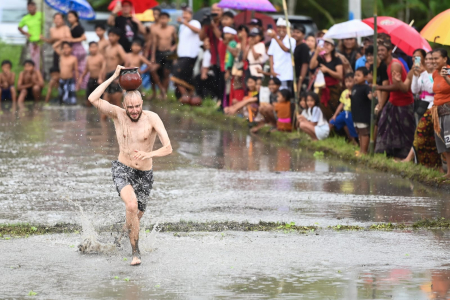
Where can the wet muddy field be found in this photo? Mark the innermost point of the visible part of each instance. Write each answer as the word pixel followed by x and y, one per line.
pixel 54 161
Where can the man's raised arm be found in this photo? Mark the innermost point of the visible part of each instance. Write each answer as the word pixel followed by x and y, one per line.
pixel 104 106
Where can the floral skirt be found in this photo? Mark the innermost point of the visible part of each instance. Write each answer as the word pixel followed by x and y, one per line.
pixel 425 144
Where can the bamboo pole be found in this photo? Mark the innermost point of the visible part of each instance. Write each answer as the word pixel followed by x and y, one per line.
pixel 374 81
pixel 294 81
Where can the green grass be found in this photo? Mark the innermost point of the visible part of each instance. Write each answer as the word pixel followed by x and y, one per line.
pixel 335 147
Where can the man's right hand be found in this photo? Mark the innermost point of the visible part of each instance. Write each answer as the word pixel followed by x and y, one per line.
pixel 117 72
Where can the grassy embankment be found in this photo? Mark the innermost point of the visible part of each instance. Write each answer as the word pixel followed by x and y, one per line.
pixel 333 146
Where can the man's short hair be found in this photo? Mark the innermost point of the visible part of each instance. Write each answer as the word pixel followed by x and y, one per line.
pixel 66 43
pixel 93 43
pixel 349 75
pixel 115 30
pixel 369 50
pixel 300 28
pixel 276 81
pixel 163 13
pixel 32 3
pixel 7 62
pixel 228 14
pixel 137 41
pixel 156 9
pixel 363 70
pixel 101 26
pixel 29 61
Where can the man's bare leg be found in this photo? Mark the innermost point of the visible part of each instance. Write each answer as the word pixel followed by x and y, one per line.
pixel 157 80
pixel 37 93
pixel 166 79
pixel 22 95
pixel 13 94
pixel 132 221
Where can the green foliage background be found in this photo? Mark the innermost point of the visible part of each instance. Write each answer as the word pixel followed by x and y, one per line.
pixel 327 12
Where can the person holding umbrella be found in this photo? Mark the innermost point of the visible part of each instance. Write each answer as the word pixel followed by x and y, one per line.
pixel 128 24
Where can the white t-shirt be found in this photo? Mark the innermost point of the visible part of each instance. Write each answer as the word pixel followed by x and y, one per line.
pixel 282 63
pixel 314 115
pixel 189 41
pixel 206 62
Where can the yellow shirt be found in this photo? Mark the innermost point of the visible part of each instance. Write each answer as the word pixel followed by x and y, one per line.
pixel 347 102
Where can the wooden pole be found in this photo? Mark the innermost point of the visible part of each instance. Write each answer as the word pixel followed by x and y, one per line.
pixel 294 81
pixel 374 81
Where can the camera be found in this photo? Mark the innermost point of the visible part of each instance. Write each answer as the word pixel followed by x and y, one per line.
pixel 207 19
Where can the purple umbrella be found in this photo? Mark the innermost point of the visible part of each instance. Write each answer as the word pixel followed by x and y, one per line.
pixel 258 5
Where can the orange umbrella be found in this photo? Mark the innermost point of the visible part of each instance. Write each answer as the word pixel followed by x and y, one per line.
pixel 437 29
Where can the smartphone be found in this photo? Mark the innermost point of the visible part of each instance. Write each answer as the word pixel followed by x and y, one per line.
pixel 417 61
pixel 321 43
pixel 269 28
pixel 447 70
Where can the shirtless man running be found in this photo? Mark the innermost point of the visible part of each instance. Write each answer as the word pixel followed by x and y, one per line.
pixel 136 132
pixel 163 48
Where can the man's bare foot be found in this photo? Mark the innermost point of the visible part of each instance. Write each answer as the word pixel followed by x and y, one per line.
pixel 136 261
pixel 446 176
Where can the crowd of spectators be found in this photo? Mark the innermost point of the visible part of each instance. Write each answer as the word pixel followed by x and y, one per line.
pixel 248 70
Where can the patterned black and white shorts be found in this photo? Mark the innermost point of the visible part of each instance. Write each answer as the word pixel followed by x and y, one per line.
pixel 141 181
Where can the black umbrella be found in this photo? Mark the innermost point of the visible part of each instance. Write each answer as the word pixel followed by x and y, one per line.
pixel 201 13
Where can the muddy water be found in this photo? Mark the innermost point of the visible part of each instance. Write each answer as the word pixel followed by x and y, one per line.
pixel 50 155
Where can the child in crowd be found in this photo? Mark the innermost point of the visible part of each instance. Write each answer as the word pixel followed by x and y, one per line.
pixel 302 103
pixel 283 110
pixel 267 110
pixel 251 98
pixel 361 97
pixel 7 81
pixel 68 66
pixel 30 82
pixel 226 58
pixel 54 82
pixel 342 118
pixel 204 80
pixel 135 58
pixel 103 41
pixel 312 120
pixel 95 65
pixel 227 19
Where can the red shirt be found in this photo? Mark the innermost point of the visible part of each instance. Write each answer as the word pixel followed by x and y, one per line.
pixel 399 98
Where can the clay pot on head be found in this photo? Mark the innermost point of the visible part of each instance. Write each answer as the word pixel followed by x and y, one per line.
pixel 196 101
pixel 130 79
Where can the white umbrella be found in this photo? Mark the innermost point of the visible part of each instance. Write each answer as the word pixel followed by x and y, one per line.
pixel 349 29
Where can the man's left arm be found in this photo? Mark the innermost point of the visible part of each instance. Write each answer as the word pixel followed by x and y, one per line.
pixel 166 148
pixel 192 27
pixel 141 27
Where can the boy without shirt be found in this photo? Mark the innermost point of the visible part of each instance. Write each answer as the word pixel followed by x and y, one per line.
pixel 7 80
pixel 103 41
pixel 30 82
pixel 54 82
pixel 114 56
pixel 135 58
pixel 68 66
pixel 95 65
pixel 163 48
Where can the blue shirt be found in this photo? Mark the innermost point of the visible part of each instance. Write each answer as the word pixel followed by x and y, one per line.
pixel 361 62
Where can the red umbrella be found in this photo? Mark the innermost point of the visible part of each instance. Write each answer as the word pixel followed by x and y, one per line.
pixel 402 35
pixel 139 6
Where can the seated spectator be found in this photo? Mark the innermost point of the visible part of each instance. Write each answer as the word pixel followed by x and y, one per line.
pixel 342 118
pixel 312 120
pixel 302 103
pixel 361 106
pixel 283 111
pixel 7 81
pixel 267 109
pixel 30 83
pixel 251 100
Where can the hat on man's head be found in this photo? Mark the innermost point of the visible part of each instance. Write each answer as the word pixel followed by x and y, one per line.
pixel 188 9
pixel 329 40
pixel 282 22
pixel 256 22
pixel 227 29
pixel 255 31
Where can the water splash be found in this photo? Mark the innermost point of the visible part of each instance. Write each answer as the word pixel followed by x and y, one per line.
pixel 148 238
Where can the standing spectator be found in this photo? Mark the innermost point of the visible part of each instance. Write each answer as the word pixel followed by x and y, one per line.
pixel 301 57
pixel 187 54
pixel 255 23
pixel 255 52
pixel 58 33
pixel 237 87
pixel 212 29
pixel 78 35
pixel 331 66
pixel 349 48
pixel 204 80
pixel 397 125
pixel 163 52
pixel 128 24
pixel 361 62
pixel 280 55
pixel 148 46
pixel 441 109
pixel 33 21
pixel 311 43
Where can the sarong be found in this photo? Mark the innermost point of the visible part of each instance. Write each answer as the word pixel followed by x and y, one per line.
pixel 425 150
pixel 79 52
pixel 396 130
